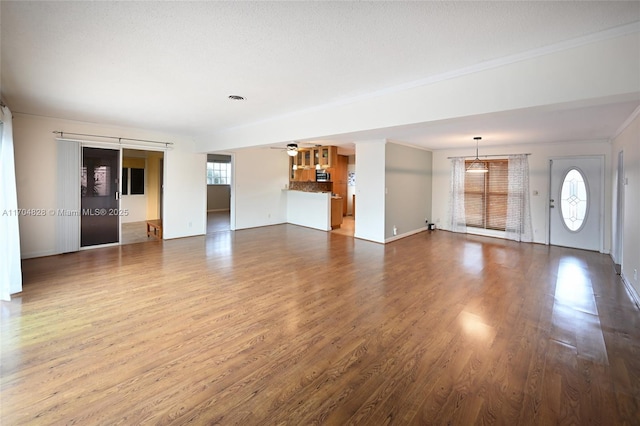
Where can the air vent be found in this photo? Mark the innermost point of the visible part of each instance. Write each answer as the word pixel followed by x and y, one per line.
pixel 236 97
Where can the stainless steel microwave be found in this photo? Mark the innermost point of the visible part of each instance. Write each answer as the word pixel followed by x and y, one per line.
pixel 323 176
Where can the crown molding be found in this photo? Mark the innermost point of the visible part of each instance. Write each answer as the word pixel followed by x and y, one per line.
pixel 626 123
pixel 615 32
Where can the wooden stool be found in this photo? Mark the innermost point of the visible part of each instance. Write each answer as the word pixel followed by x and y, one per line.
pixel 154 228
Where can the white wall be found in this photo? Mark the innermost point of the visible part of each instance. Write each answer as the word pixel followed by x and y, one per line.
pixel 629 142
pixel 259 177
pixel 408 187
pixel 35 148
pixel 136 207
pixel 539 180
pixel 370 190
pixel 185 194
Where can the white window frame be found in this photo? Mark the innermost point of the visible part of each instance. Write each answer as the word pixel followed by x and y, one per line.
pixel 223 170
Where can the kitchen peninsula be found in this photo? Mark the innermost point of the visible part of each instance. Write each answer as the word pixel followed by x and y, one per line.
pixel 311 201
pixel 318 210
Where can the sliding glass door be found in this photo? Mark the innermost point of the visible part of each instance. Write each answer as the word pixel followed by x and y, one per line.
pixel 99 222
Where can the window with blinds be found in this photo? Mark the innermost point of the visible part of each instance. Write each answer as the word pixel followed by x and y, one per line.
pixel 485 195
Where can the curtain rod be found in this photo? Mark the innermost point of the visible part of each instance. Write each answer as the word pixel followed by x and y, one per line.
pixel 481 156
pixel 58 132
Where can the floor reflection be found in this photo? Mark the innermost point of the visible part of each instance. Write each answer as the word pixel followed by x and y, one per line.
pixel 473 257
pixel 220 246
pixel 218 221
pixel 575 319
pixel 573 286
pixel 475 327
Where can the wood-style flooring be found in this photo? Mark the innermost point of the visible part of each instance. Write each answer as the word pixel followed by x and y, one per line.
pixel 136 232
pixel 218 221
pixel 347 228
pixel 288 325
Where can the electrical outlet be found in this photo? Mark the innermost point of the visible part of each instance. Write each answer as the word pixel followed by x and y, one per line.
pixel 635 275
pixel 395 231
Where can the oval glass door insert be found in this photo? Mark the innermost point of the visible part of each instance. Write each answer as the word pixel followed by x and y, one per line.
pixel 574 201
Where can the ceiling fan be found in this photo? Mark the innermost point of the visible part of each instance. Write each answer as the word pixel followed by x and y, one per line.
pixel 291 148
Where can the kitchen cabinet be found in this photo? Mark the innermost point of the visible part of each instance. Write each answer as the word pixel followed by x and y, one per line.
pixel 308 175
pixel 339 177
pixel 336 212
pixel 302 174
pixel 326 156
pixel 303 159
pixel 307 159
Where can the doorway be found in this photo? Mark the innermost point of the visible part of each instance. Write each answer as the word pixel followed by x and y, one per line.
pixel 344 181
pixel 576 202
pixel 141 199
pixel 219 172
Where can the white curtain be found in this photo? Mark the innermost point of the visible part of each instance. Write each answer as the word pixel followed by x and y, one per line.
pixel 456 196
pixel 519 226
pixel 10 269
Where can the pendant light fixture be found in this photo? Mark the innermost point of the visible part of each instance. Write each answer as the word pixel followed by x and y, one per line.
pixel 476 165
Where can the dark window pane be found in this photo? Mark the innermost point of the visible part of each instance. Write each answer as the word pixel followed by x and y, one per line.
pixel 137 181
pixel 125 181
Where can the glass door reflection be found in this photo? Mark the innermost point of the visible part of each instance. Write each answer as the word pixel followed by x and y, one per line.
pixel 99 223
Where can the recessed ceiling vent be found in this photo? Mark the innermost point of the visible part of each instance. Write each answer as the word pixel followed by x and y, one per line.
pixel 236 97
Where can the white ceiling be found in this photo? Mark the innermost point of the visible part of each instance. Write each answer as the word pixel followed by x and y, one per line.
pixel 169 66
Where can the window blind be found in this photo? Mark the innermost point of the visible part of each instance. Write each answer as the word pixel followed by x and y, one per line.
pixel 486 194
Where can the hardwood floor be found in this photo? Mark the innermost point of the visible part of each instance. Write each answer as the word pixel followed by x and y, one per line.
pixel 288 325
pixel 347 228
pixel 218 221
pixel 135 232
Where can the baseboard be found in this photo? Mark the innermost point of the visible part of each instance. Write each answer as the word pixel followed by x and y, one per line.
pixel 218 210
pixel 616 266
pixel 632 291
pixel 406 234
pixel 35 254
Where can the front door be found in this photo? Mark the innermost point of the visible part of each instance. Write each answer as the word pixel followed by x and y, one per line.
pixel 100 191
pixel 575 203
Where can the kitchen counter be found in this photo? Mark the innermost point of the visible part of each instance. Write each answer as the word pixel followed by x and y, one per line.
pixel 310 209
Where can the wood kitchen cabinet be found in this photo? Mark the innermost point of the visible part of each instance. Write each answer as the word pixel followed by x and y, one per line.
pixel 303 159
pixel 339 177
pixel 307 159
pixel 326 156
pixel 301 174
pixel 336 212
